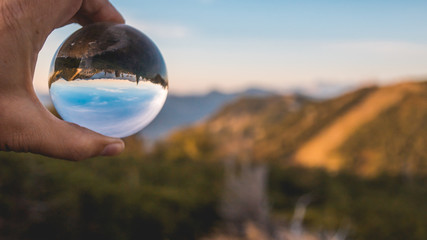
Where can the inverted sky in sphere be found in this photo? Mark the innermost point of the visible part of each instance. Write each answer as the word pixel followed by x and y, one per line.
pixel 115 108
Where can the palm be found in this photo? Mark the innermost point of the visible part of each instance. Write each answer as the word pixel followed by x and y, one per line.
pixel 25 125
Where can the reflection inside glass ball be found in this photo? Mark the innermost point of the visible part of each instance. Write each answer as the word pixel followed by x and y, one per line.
pixel 109 78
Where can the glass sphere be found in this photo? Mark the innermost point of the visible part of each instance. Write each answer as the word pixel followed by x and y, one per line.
pixel 109 78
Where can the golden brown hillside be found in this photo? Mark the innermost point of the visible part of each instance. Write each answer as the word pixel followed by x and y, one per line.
pixel 322 150
pixel 368 131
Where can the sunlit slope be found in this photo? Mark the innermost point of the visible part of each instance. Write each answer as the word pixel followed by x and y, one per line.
pixel 395 141
pixel 323 149
pixel 368 131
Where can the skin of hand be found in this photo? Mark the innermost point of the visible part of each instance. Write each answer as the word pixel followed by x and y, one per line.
pixel 25 124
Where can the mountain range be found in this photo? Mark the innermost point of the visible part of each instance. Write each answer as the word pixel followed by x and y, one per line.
pixel 182 111
pixel 368 131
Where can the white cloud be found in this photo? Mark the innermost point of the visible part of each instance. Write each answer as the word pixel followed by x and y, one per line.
pixel 129 99
pixel 381 47
pixel 162 30
pixel 110 90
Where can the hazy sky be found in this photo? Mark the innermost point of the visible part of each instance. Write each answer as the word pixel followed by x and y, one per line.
pixel 277 44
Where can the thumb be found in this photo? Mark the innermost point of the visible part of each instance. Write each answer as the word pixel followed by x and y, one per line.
pixel 69 141
pixel 43 133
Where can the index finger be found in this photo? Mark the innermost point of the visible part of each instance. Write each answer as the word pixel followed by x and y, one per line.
pixel 93 11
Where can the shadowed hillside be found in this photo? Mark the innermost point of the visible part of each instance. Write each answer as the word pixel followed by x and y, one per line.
pixel 180 111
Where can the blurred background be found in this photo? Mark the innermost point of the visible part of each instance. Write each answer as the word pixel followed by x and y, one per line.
pixel 284 120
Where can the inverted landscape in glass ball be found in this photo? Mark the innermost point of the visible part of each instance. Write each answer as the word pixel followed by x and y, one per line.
pixel 109 78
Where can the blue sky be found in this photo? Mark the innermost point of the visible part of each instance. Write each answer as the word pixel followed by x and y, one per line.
pixel 233 45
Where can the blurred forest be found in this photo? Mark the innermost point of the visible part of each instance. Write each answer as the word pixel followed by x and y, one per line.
pixel 272 167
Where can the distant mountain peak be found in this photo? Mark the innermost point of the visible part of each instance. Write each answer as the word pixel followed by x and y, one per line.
pixel 180 111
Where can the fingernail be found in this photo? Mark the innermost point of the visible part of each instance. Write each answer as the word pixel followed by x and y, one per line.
pixel 112 149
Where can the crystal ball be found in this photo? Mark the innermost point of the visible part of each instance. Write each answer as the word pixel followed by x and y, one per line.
pixel 109 78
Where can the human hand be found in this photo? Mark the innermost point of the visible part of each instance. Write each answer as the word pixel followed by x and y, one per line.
pixel 25 124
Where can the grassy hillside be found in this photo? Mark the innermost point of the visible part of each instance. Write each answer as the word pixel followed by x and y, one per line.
pixel 128 197
pixel 394 142
pixel 138 196
pixel 368 131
